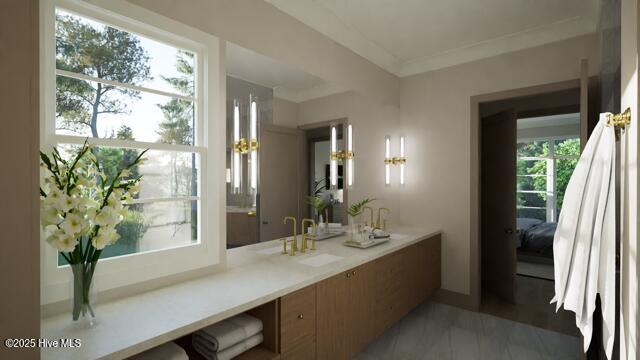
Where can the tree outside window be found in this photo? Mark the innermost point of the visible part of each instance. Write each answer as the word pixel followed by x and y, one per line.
pixel 543 171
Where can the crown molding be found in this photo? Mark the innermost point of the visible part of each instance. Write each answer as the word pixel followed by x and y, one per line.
pixel 318 17
pixel 298 96
pixel 538 36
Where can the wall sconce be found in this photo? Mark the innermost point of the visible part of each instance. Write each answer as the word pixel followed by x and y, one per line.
pixel 389 160
pixel 245 146
pixel 336 156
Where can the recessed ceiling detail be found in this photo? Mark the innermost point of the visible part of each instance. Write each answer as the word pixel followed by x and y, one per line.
pixel 287 82
pixel 412 36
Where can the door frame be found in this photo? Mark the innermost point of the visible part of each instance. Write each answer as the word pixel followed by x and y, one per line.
pixel 475 247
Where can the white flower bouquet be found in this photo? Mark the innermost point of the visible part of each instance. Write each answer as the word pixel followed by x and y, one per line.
pixel 80 208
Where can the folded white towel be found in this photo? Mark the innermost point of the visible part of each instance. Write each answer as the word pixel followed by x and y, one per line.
pixel 168 351
pixel 229 332
pixel 202 347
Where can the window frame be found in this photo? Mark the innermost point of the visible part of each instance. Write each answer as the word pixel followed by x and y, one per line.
pixel 209 143
pixel 551 209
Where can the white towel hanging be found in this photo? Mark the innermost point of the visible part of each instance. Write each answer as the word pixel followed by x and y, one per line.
pixel 584 242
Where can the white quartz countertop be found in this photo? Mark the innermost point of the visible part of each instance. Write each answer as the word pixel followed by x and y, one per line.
pixel 254 275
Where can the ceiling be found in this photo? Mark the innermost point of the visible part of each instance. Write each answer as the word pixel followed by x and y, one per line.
pixel 548 121
pixel 406 37
pixel 287 82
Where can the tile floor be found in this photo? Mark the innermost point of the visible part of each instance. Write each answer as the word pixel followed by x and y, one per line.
pixel 441 332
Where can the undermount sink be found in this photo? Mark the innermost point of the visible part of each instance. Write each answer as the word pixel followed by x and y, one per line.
pixel 320 260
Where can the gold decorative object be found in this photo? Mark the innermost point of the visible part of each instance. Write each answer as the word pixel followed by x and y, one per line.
pixel 342 155
pixel 620 120
pixel 244 146
pixel 395 160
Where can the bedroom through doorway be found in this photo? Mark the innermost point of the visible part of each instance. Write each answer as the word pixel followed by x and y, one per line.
pixel 530 143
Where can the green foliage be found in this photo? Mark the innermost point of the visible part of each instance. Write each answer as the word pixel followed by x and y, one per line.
pixel 177 126
pixel 106 53
pixel 317 203
pixel 564 170
pixel 357 208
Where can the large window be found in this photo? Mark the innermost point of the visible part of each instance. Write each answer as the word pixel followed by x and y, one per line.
pixel 132 93
pixel 543 172
pixel 127 85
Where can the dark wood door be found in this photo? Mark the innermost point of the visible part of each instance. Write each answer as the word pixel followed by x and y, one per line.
pixel 498 198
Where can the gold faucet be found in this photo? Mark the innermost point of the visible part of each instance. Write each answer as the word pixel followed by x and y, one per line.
pixel 294 242
pixel 370 215
pixel 306 236
pixel 379 224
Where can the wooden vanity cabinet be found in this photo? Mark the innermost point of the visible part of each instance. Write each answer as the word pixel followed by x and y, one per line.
pixel 357 305
pixel 345 313
pixel 298 324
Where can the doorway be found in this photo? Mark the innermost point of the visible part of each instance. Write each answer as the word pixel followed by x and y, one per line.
pixel 529 145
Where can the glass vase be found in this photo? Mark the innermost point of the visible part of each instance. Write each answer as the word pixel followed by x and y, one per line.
pixel 83 294
pixel 355 228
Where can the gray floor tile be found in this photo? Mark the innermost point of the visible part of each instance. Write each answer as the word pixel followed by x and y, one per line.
pixel 440 332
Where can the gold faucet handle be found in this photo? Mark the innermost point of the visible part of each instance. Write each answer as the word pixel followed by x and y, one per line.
pixel 284 246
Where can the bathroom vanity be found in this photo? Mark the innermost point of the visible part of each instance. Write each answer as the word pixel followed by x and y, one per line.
pixel 325 304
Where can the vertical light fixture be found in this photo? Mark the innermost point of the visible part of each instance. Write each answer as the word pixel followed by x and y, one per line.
pixel 387 155
pixel 253 145
pixel 236 163
pixel 402 160
pixel 333 177
pixel 349 155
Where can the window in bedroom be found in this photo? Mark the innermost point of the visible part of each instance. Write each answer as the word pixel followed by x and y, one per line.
pixel 543 170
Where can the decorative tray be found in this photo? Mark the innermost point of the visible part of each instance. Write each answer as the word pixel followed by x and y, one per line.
pixel 367 244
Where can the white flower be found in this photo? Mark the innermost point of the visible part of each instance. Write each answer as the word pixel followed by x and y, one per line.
pixel 107 217
pixel 54 196
pixel 62 241
pixel 49 215
pixel 87 202
pixel 106 236
pixel 115 201
pixel 73 224
pixel 66 203
pixel 125 173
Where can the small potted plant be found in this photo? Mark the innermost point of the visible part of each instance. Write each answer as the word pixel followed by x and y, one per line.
pixel 80 208
pixel 356 230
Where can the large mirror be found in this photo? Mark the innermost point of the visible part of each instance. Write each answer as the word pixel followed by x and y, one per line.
pixel 280 161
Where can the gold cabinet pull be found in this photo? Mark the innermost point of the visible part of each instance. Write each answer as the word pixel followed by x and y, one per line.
pixel 301 316
pixel 348 274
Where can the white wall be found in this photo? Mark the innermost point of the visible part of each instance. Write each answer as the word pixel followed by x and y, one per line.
pixel 285 113
pixel 435 113
pixel 263 28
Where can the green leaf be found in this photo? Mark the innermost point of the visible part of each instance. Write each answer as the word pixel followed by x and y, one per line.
pixel 357 208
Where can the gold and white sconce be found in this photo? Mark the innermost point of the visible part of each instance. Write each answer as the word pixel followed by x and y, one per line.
pixel 245 147
pixel 390 161
pixel 337 156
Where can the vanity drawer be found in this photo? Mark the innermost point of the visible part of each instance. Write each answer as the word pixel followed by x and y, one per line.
pixel 303 351
pixel 298 319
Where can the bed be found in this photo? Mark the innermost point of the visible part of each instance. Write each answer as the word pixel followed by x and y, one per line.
pixel 535 237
